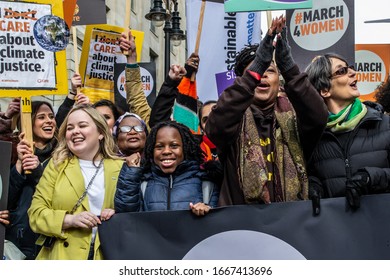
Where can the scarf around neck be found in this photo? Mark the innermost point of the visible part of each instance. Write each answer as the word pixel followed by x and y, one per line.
pixel 289 158
pixel 348 118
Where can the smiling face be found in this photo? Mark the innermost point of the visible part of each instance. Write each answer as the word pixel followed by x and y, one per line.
pixel 44 126
pixel 82 135
pixel 132 141
pixel 168 149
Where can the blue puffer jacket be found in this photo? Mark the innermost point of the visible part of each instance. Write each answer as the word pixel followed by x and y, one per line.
pixel 163 192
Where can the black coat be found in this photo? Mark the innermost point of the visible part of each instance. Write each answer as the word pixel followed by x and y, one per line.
pixel 339 156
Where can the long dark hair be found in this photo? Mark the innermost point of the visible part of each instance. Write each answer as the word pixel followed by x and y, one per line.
pixel 191 148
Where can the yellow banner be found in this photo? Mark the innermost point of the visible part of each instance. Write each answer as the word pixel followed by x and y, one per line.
pixel 99 54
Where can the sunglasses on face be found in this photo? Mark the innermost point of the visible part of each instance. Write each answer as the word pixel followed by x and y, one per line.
pixel 128 128
pixel 342 71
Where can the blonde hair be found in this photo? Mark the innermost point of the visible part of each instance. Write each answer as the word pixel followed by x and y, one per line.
pixel 107 147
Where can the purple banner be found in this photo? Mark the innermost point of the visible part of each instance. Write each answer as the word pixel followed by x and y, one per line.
pixel 224 80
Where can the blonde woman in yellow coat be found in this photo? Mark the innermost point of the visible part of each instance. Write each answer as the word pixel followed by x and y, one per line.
pixel 84 162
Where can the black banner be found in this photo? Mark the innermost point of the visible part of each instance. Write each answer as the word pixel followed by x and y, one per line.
pixel 5 162
pixel 276 231
pixel 328 27
pixel 148 79
pixel 90 12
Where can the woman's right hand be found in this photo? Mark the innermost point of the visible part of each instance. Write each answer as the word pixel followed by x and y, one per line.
pixel 177 72
pixel 134 160
pixel 4 217
pixel 84 219
pixel 129 46
pixel 76 82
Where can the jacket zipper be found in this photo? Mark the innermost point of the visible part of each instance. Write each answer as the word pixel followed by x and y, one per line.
pixel 169 192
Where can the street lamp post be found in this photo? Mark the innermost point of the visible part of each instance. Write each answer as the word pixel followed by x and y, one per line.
pixel 172 29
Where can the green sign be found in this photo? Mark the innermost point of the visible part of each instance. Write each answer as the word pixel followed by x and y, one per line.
pixel 264 5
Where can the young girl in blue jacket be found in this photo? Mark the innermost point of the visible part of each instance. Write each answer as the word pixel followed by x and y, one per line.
pixel 170 177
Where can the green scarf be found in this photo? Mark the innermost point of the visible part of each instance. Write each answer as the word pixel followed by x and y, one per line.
pixel 348 118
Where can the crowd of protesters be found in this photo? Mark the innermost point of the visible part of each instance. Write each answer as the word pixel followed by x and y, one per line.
pixel 261 142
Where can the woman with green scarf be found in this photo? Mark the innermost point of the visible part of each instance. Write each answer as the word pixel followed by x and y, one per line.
pixel 352 157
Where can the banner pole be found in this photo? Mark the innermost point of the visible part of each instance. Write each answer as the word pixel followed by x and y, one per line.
pixel 75 54
pixel 26 123
pixel 198 35
pixel 127 22
pixel 269 19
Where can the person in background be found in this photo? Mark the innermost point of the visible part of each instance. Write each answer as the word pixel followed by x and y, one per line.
pixel 352 157
pixel 73 98
pixel 382 95
pixel 130 133
pixel 32 157
pixel 7 131
pixel 171 172
pixel 135 95
pixel 109 111
pixel 106 107
pixel 76 191
pixel 262 138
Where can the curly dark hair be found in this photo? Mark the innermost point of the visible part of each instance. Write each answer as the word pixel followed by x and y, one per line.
pixel 191 147
pixel 382 95
pixel 244 58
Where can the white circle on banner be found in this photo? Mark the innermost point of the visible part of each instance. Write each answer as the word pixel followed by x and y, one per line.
pixel 320 27
pixel 243 245
pixel 120 84
pixel 370 71
pixel 146 79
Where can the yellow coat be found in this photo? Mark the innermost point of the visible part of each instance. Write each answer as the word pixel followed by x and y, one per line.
pixel 56 193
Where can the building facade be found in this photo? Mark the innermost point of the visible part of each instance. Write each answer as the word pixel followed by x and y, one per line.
pixel 153 49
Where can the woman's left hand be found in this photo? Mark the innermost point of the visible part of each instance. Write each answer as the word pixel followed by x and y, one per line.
pixel 30 162
pixel 106 214
pixel 134 160
pixel 199 209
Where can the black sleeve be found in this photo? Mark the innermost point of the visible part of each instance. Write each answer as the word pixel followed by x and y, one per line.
pixel 162 107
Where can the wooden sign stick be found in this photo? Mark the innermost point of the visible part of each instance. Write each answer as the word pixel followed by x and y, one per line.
pixel 198 35
pixel 75 54
pixel 26 123
pixel 127 22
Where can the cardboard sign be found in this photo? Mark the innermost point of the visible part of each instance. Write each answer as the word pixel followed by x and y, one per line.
pixel 33 38
pixel 99 54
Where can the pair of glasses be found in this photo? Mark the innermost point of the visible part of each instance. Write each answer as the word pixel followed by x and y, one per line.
pixel 342 71
pixel 128 128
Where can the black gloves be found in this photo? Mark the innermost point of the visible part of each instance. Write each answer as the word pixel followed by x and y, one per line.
pixel 357 186
pixel 283 57
pixel 264 54
pixel 214 171
pixel 192 65
pixel 315 193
